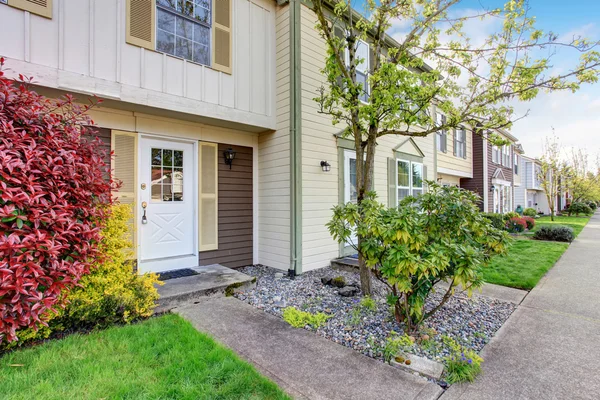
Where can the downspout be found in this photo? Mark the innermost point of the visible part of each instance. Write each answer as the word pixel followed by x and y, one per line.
pixel 295 143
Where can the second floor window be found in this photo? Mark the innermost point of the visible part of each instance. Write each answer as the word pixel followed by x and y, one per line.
pixel 460 143
pixel 183 29
pixel 441 135
pixel 362 69
pixel 516 164
pixel 496 154
pixel 506 156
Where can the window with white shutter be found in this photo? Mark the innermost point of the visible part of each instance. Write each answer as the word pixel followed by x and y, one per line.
pixel 208 194
pixel 38 7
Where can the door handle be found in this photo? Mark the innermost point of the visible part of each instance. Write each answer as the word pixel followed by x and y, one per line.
pixel 144 219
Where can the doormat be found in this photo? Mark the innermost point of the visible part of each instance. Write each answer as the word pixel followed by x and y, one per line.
pixel 176 273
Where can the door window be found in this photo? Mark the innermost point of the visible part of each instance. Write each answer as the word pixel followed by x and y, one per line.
pixel 166 175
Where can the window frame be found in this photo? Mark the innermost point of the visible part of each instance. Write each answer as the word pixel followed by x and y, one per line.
pixel 496 154
pixel 462 143
pixel 442 134
pixel 178 14
pixel 411 187
pixel 516 164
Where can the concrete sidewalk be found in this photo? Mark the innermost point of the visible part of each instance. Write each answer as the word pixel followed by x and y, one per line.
pixel 302 363
pixel 550 347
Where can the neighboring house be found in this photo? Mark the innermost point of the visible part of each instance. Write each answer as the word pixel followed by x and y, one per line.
pixel 492 173
pixel 518 177
pixel 530 191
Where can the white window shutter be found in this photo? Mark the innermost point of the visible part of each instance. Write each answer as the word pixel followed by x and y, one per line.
pixel 392 183
pixel 38 7
pixel 124 169
pixel 222 36
pixel 208 193
pixel 140 23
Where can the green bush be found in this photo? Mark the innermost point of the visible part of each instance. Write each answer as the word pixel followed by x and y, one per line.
pixel 111 293
pixel 300 319
pixel 338 281
pixel 511 214
pixel 580 208
pixel 593 206
pixel 530 222
pixel 530 212
pixel 556 233
pixel 497 220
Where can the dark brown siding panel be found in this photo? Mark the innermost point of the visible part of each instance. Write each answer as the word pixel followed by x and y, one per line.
pixel 475 184
pixel 235 211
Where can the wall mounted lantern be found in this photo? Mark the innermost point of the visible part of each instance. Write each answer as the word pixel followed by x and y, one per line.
pixel 229 155
pixel 492 188
pixel 325 166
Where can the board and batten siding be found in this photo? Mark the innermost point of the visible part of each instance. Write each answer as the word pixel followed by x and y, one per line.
pixel 274 161
pixel 320 190
pixel 83 49
pixel 235 224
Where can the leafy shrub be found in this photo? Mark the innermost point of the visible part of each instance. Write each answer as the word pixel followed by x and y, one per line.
pixel 530 222
pixel 438 236
pixel 111 293
pixel 368 304
pixel 579 208
pixel 462 365
pixel 299 319
pixel 497 220
pixel 511 214
pixel 593 206
pixel 396 343
pixel 530 212
pixel 53 204
pixel 556 233
pixel 516 225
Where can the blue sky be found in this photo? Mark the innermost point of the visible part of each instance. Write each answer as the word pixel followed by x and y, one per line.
pixel 575 118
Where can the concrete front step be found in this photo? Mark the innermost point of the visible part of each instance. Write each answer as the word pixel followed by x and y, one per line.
pixel 212 280
pixel 349 264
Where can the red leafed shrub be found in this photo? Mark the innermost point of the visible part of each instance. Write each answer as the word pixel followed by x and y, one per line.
pixel 530 222
pixel 53 203
pixel 516 225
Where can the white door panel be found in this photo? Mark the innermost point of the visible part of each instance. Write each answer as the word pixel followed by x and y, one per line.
pixel 168 179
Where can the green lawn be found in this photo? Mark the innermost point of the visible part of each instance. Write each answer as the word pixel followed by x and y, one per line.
pixel 528 260
pixel 162 358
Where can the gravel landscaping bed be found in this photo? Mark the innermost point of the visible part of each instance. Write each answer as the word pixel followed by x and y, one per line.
pixel 470 321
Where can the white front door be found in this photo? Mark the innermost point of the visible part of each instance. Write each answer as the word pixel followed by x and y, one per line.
pixel 168 190
pixel 350 192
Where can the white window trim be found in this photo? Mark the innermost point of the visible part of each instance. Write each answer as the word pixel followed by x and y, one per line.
pixel 411 188
pixel 442 133
pixel 463 143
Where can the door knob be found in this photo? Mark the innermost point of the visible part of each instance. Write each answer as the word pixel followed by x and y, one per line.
pixel 144 219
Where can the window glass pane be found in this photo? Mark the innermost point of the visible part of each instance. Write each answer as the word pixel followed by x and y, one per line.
pixel 201 34
pixel 403 173
pixel 178 184
pixel 185 28
pixel 402 193
pixel 165 20
pixel 417 173
pixel 155 192
pixel 202 14
pixel 183 48
pixel 156 157
pixel 352 172
pixel 186 8
pixel 201 54
pixel 178 158
pixel 165 42
pixel 167 3
pixel 362 53
pixel 362 79
pixel 417 192
pixel 167 193
pixel 168 158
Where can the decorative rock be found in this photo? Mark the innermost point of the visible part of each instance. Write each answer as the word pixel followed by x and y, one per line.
pixel 348 291
pixel 326 281
pixel 278 275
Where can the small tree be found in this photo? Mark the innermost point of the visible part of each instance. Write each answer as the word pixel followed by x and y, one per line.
pixel 469 83
pixel 552 168
pixel 583 180
pixel 440 236
pixel 53 203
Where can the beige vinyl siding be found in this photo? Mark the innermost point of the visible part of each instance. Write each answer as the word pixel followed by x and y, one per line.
pixel 319 189
pixel 449 161
pixel 274 161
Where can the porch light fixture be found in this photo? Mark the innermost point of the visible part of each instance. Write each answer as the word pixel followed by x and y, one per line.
pixel 492 188
pixel 229 155
pixel 325 166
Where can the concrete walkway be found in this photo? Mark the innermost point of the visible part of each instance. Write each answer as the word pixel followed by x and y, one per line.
pixel 302 363
pixel 550 347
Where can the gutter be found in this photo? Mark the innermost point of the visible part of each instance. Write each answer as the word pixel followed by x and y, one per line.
pixel 295 267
